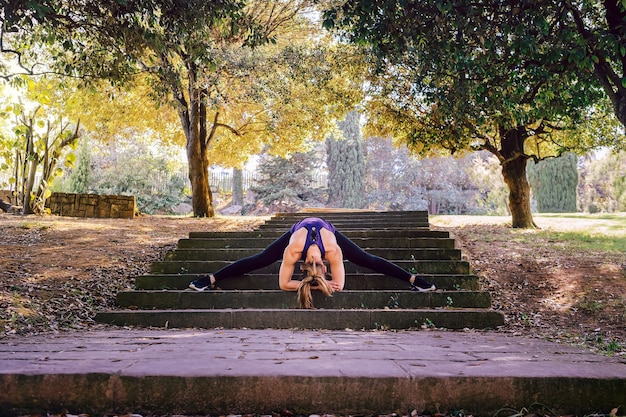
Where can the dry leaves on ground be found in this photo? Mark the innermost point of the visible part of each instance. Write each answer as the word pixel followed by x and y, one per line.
pixel 56 272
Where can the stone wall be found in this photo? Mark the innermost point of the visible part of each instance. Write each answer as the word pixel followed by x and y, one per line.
pixel 92 205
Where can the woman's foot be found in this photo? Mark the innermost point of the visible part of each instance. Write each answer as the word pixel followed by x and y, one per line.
pixel 202 283
pixel 421 285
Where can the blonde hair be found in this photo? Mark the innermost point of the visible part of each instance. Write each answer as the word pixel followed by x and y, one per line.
pixel 313 274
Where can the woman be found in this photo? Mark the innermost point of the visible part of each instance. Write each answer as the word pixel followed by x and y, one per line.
pixel 313 241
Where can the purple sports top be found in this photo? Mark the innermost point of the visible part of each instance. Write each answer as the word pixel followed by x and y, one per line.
pixel 313 226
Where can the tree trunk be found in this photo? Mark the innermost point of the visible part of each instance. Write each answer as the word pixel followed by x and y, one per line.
pixel 237 187
pixel 201 196
pixel 193 119
pixel 30 184
pixel 615 14
pixel 514 173
pixel 513 160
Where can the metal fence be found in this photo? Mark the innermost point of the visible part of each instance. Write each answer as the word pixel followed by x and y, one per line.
pixel 222 181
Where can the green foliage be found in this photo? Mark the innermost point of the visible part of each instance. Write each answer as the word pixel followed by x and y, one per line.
pixel 554 183
pixel 603 184
pixel 197 56
pixel 525 59
pixel 346 166
pixel 146 177
pixel 286 183
pixel 507 77
pixel 81 178
pixel 397 180
pixel 38 146
pixel 113 39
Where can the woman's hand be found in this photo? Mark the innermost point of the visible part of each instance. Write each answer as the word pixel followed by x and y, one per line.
pixel 335 286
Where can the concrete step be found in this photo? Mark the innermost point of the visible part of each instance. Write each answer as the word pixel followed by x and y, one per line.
pixel 366 319
pixel 158 372
pixel 331 215
pixel 205 267
pixel 257 281
pixel 347 218
pixel 234 253
pixel 272 299
pixel 351 234
pixel 352 220
pixel 364 243
pixel 356 224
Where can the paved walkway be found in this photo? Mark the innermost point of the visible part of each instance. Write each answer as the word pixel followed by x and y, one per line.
pixel 239 371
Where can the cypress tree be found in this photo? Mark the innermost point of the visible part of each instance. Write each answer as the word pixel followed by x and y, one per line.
pixel 80 180
pixel 285 184
pixel 554 183
pixel 346 166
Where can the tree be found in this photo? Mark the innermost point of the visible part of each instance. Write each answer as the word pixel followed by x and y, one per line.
pixel 392 177
pixel 603 182
pixel 38 145
pixel 237 187
pixel 397 180
pixel 132 166
pixel 601 45
pixel 346 165
pixel 554 183
pixel 592 31
pixel 492 76
pixel 81 178
pixel 492 192
pixel 200 59
pixel 285 184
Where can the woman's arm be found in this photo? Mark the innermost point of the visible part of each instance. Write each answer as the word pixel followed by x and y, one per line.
pixel 290 257
pixel 334 256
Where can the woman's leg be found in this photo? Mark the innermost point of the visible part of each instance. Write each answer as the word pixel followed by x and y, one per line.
pixel 271 254
pixel 353 253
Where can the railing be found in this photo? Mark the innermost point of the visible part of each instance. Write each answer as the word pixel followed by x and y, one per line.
pixel 222 181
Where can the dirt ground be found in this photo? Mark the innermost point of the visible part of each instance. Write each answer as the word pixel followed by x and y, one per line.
pixel 56 272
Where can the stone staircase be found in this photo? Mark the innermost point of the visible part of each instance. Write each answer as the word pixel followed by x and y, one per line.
pixel 369 301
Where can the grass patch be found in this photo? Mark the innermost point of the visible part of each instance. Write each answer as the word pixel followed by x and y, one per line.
pixel 586 241
pixel 588 232
pixel 33 225
pixel 605 232
pixel 605 224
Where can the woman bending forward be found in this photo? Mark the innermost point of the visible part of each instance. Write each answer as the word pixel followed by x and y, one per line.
pixel 313 241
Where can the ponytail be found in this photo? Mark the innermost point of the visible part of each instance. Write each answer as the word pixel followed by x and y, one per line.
pixel 312 276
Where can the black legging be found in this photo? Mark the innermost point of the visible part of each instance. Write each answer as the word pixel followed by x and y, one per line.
pixel 274 252
pixel 353 253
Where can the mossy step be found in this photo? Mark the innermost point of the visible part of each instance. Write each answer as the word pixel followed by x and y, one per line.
pixel 233 254
pixel 366 319
pixel 270 282
pixel 417 266
pixel 264 299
